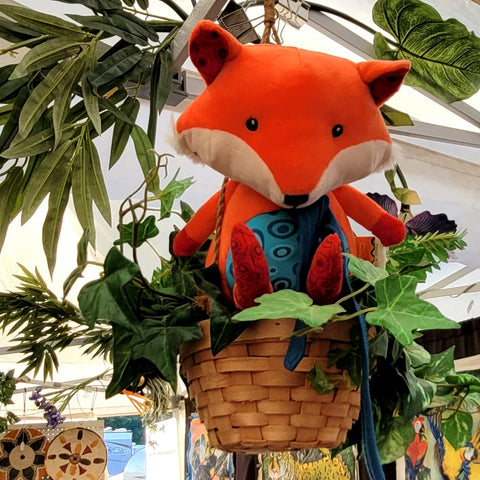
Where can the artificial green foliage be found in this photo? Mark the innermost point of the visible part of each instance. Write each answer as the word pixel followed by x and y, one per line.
pixel 416 256
pixel 7 388
pixel 136 234
pixel 67 89
pixel 40 325
pixel 290 304
pixel 402 312
pixel 444 54
pixel 319 381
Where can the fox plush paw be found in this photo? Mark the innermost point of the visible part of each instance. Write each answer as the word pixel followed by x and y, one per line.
pixel 183 245
pixel 250 267
pixel 390 230
pixel 325 278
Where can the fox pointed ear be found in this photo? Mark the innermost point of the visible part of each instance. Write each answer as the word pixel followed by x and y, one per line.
pixel 210 48
pixel 383 77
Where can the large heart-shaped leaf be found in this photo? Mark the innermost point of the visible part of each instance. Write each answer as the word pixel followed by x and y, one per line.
pixel 402 312
pixel 289 304
pixel 445 56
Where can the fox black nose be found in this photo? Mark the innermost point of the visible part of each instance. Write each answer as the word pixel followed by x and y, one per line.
pixel 295 200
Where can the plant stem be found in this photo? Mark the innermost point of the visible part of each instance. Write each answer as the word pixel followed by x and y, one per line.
pixel 351 295
pixel 401 176
pixel 25 43
pixel 341 318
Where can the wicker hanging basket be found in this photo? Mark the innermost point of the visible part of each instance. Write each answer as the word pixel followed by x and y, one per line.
pixel 250 403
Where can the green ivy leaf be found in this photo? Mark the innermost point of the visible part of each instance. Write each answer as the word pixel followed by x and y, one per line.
pixel 395 442
pixel 171 192
pixel 364 270
pixel 401 312
pixel 186 211
pixel 417 355
pixel 319 381
pixel 145 230
pixel 160 344
pixel 289 304
pixel 105 298
pixel 457 428
pixel 445 56
pixel 440 365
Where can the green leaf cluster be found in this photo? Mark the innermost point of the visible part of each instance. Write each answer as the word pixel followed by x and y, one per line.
pixel 7 388
pixel 42 325
pixel 417 256
pixel 150 320
pixel 67 89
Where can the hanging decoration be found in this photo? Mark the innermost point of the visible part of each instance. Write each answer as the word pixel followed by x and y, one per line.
pixel 23 453
pixel 76 453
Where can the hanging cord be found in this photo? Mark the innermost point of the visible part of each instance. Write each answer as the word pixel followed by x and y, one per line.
pixel 219 221
pixel 269 22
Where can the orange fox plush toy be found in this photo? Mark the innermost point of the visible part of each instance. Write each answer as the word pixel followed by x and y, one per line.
pixel 291 128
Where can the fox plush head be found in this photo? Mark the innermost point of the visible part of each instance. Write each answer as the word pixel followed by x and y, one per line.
pixel 291 129
pixel 291 124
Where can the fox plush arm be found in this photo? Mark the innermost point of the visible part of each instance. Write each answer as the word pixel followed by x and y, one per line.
pixel 366 212
pixel 197 230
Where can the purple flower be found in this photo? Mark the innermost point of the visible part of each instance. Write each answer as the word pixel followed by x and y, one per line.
pixel 52 415
pixel 421 224
pixel 387 203
pixel 426 222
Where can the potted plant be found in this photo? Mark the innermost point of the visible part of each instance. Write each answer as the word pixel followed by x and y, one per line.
pixel 143 322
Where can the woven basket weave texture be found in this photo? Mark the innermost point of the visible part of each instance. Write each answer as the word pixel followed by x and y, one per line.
pixel 250 403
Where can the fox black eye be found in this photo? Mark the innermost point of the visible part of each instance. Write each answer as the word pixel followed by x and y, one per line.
pixel 252 124
pixel 337 130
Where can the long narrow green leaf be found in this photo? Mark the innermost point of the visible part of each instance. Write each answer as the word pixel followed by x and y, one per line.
pixel 9 87
pixel 119 114
pixel 160 84
pixel 141 27
pixel 97 4
pixel 165 82
pixel 95 182
pixel 47 54
pixel 45 93
pixel 115 66
pixel 121 131
pixel 50 170
pixel 8 198
pixel 63 97
pixel 10 129
pixel 52 225
pixel 145 155
pixel 81 198
pixel 42 22
pixel 91 104
pixel 15 33
pixel 40 142
pixel 113 24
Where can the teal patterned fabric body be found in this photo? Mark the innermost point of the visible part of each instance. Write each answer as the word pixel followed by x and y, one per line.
pixel 278 234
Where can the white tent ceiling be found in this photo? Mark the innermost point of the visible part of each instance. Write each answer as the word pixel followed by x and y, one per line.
pixel 440 159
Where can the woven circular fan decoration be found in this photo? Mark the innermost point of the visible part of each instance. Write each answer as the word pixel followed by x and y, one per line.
pixel 22 454
pixel 76 454
pixel 251 403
